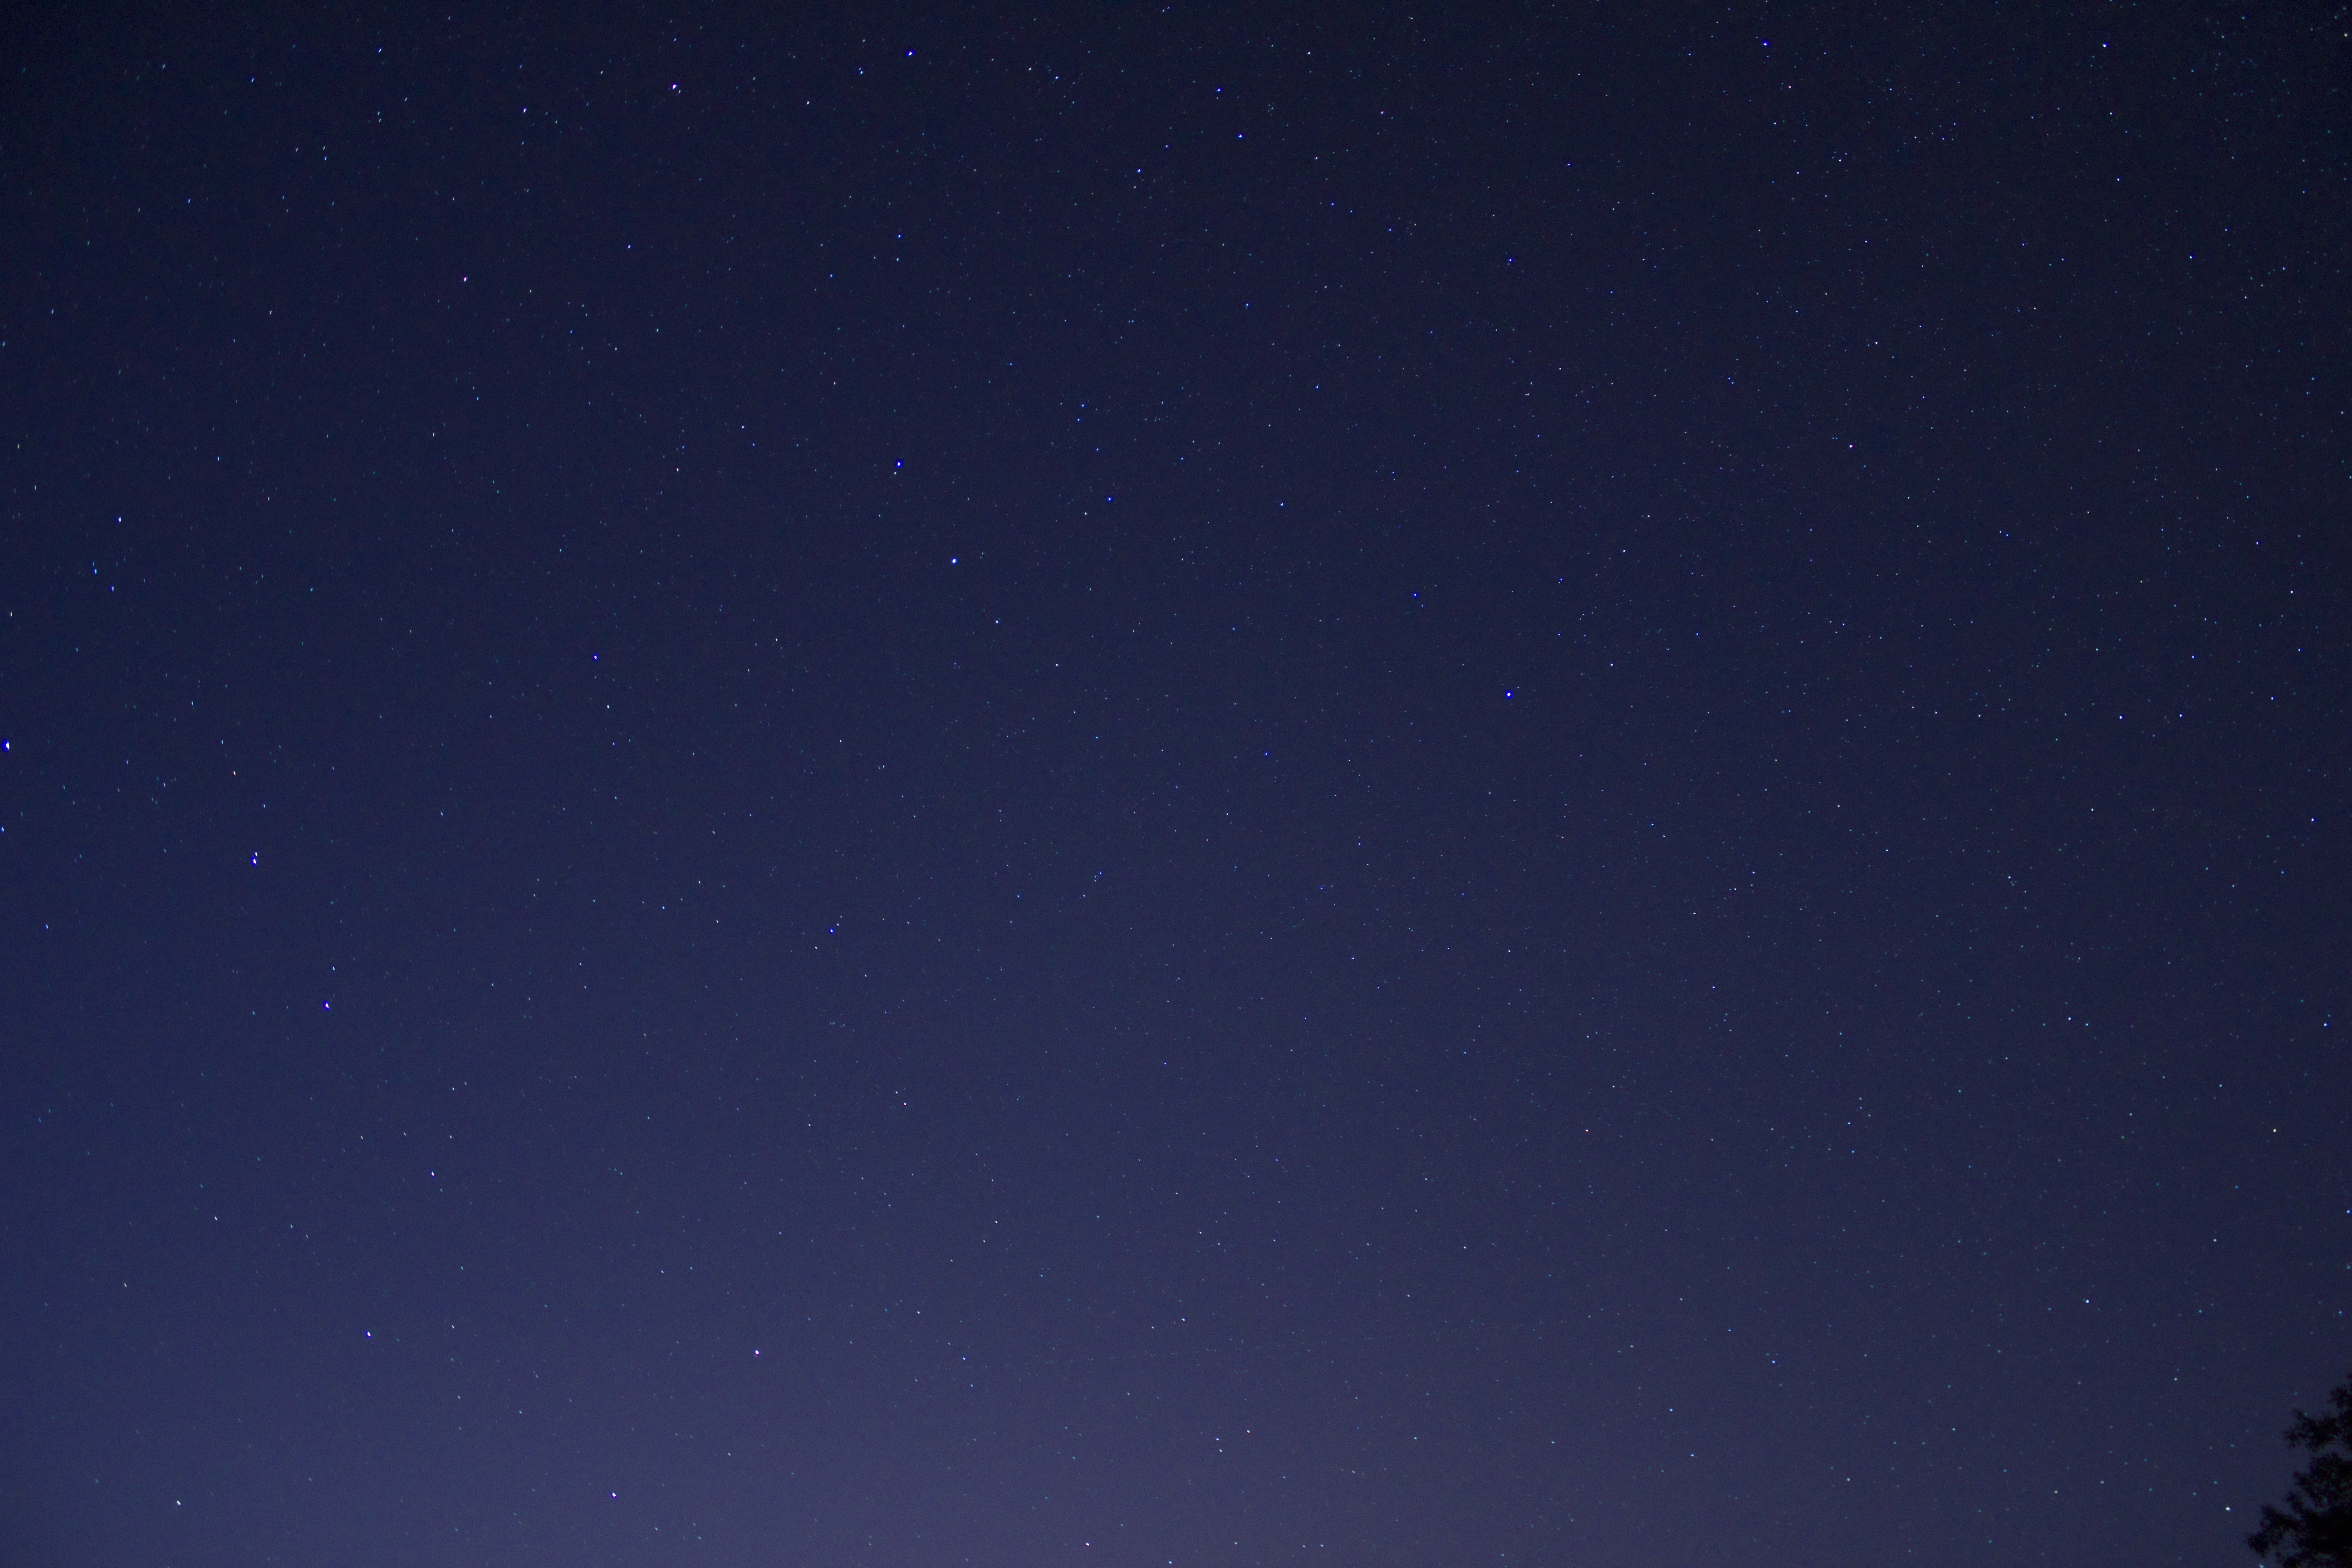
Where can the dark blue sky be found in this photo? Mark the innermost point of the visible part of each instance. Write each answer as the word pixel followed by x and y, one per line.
pixel 1546 785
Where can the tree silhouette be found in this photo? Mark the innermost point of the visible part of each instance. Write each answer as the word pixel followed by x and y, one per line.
pixel 2314 1529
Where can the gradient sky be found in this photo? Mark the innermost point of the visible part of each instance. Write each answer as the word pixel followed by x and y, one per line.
pixel 1170 785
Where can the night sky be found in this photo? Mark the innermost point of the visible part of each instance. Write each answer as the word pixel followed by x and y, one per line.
pixel 1205 785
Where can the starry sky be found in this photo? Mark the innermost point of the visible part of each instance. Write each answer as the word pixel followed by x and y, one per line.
pixel 1196 785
